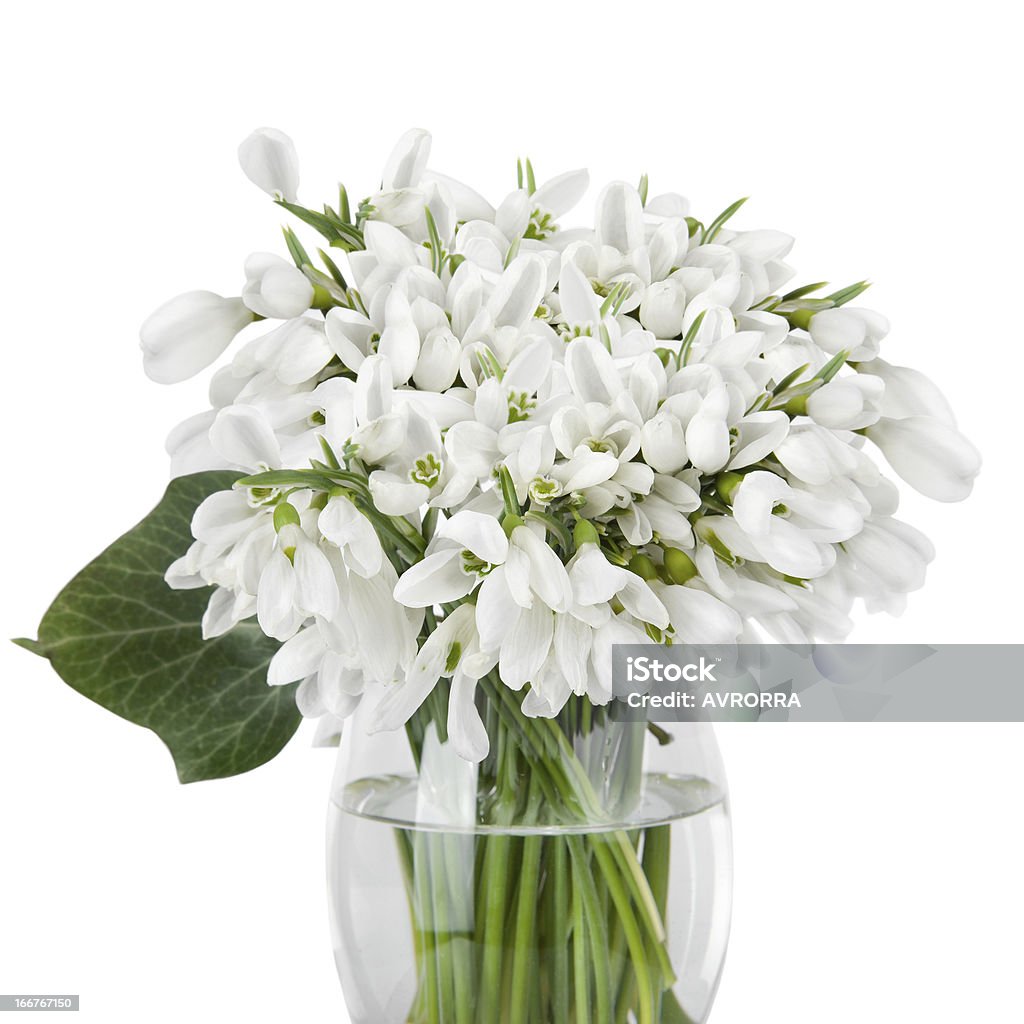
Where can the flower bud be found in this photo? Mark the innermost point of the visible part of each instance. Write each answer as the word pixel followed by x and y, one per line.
pixel 188 333
pixel 275 288
pixel 908 392
pixel 662 308
pixel 407 162
pixel 846 403
pixel 438 363
pixel 270 162
pixel 933 457
pixel 855 331
pixel 679 565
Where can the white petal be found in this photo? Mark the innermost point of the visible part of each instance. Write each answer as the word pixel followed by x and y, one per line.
pixel 518 292
pixel 481 534
pixel 348 334
pixel 297 658
pixel 620 217
pixel 270 162
pixel 242 435
pixel 526 647
pixel 594 579
pixel 400 340
pixel 758 435
pixel 438 579
pixel 755 499
pixel 592 372
pixel 573 640
pixel 276 598
pixel 580 304
pixel 700 618
pixel 344 525
pixel 465 727
pixel 933 457
pixel 397 495
pixel 496 610
pixel 188 333
pixel 407 161
pixel 639 600
pixel 316 588
pixel 560 194
pixel 548 578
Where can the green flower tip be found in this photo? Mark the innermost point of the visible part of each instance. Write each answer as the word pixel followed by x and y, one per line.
pixel 285 514
pixel 679 565
pixel 585 533
pixel 644 567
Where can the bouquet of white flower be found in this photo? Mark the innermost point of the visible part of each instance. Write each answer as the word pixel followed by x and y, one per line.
pixel 475 451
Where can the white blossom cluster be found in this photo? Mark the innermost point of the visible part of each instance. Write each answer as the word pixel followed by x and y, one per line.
pixel 475 441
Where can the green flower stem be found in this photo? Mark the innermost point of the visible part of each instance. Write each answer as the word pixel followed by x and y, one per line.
pixel 560 927
pixel 524 956
pixel 426 923
pixel 583 882
pixel 581 962
pixel 442 924
pixel 495 890
pixel 634 939
pixel 459 937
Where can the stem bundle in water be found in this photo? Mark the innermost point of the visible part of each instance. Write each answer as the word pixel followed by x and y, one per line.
pixel 549 910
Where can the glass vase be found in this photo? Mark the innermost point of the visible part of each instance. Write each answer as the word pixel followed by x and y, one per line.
pixel 580 874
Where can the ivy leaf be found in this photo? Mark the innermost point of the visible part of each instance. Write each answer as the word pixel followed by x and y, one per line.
pixel 121 637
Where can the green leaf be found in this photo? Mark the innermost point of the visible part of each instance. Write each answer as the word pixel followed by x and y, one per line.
pixel 849 293
pixel 719 222
pixel 799 293
pixel 121 637
pixel 298 254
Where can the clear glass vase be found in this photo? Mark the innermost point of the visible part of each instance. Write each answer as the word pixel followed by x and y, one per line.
pixel 580 874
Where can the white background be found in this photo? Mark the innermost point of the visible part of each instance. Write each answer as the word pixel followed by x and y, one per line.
pixel 878 867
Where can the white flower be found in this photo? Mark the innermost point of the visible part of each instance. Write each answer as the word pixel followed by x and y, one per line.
pixel 408 160
pixel 444 653
pixel 275 288
pixel 698 617
pixel 847 403
pixel 858 332
pixel 270 162
pixel 186 334
pixel 297 582
pixel 345 526
pixel 908 392
pixel 933 457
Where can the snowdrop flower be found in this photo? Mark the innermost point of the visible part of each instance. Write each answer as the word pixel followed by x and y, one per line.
pixel 933 457
pixel 353 534
pixel 330 680
pixel 446 652
pixel 466 548
pixel 296 583
pixel 907 392
pixel 858 332
pixel 847 403
pixel 270 162
pixel 188 333
pixel 275 288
